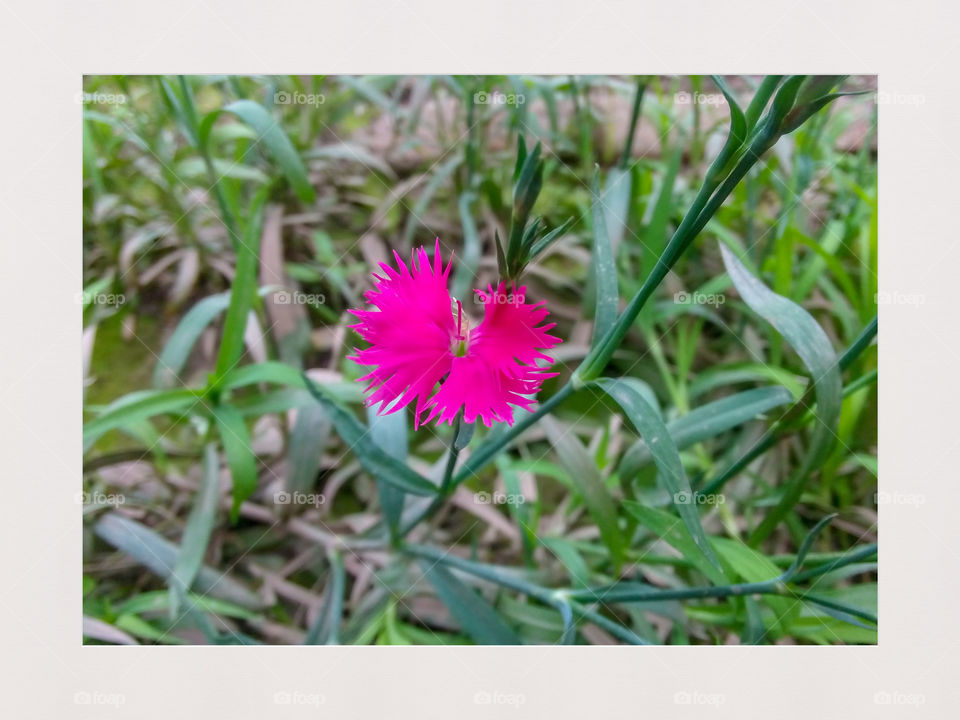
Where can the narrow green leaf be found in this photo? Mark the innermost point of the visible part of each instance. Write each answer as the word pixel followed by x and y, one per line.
pixel 308 440
pixel 240 457
pixel 243 291
pixel 477 617
pixel 199 527
pixel 586 476
pixel 708 421
pixel 670 529
pixel 760 99
pixel 175 353
pixel 656 234
pixel 271 134
pixel 390 433
pixel 805 547
pixel 137 406
pixel 604 269
pixel 159 601
pixel 752 566
pixel 370 455
pixel 648 423
pixel 266 372
pixel 326 629
pixel 195 167
pixel 735 139
pixel 813 346
pixel 158 554
pixel 568 554
pixel 616 202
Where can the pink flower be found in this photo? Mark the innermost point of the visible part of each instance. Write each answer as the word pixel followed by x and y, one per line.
pixel 419 336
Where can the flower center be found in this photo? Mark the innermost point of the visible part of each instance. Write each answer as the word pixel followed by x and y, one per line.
pixel 461 340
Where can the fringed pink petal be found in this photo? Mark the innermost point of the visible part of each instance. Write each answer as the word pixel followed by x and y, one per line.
pixel 511 332
pixel 409 332
pixel 481 392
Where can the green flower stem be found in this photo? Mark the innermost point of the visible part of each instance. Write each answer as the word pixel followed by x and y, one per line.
pixel 704 207
pixel 446 484
pixel 850 558
pixel 451 459
pixel 552 598
pixel 486 452
pixel 628 592
pixel 778 429
pixel 618 631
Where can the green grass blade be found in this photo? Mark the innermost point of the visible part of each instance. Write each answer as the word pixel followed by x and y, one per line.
pixel 243 291
pixel 656 234
pixel 476 616
pixel 586 476
pixel 158 554
pixel 277 143
pixel 708 421
pixel 648 423
pixel 390 433
pixel 199 527
pixel 813 346
pixel 371 456
pixel 137 406
pixel 178 348
pixel 604 269
pixel 326 629
pixel 669 529
pixel 308 441
pixel 240 457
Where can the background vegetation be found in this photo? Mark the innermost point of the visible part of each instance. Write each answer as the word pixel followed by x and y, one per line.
pixel 709 249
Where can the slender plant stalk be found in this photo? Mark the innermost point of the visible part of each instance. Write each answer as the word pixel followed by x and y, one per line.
pixel 774 433
pixel 190 110
pixel 628 592
pixel 447 483
pixel 478 460
pixel 634 121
